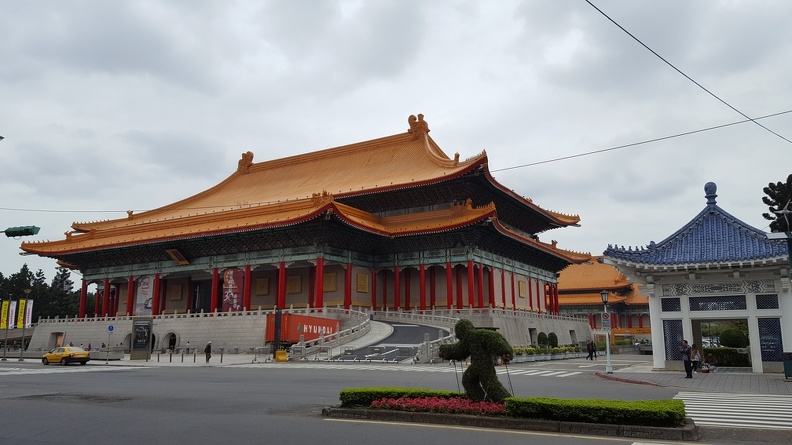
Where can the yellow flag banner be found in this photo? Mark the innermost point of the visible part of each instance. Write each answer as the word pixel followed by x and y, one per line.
pixel 21 314
pixel 4 318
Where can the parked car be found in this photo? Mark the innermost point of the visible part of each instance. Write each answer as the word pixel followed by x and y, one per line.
pixel 65 355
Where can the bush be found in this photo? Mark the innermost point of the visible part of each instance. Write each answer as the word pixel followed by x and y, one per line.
pixel 552 339
pixel 666 413
pixel 733 338
pixel 726 357
pixel 542 340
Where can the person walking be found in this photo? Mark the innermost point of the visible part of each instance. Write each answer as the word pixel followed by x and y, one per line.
pixel 695 357
pixel 208 351
pixel 685 349
pixel 188 347
pixel 590 350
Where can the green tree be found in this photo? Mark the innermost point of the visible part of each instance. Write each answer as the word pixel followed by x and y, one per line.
pixel 552 339
pixel 733 338
pixel 542 340
pixel 778 199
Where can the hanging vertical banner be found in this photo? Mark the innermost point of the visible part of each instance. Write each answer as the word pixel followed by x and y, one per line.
pixel 144 289
pixel 4 317
pixel 21 314
pixel 29 314
pixel 11 314
pixel 232 285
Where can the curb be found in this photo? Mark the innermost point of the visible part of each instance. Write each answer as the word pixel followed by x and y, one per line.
pixel 688 432
pixel 625 380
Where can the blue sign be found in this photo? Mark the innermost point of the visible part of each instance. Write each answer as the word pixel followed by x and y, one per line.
pixel 110 328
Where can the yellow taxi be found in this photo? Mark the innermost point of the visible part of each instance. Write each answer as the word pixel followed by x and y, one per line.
pixel 65 355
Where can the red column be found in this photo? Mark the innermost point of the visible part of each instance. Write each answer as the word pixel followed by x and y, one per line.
pixel 155 295
pixel 348 286
pixel 407 286
pixel 503 287
pixel 384 289
pixel 130 294
pixel 538 296
pixel 449 285
pixel 281 302
pixel 432 287
pixel 373 289
pixel 106 297
pixel 83 299
pixel 422 285
pixel 246 289
pixel 460 302
pixel 319 288
pixel 629 321
pixel 514 296
pixel 530 293
pixel 480 286
pixel 215 287
pixel 471 275
pixel 396 290
pixel 640 320
pixel 491 278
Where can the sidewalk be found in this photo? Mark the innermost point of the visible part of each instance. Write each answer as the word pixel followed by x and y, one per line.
pixel 379 331
pixel 724 380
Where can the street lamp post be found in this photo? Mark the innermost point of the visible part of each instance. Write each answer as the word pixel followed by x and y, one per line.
pixel 24 322
pixel 608 367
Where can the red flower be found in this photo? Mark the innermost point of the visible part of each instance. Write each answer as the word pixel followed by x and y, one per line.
pixel 456 405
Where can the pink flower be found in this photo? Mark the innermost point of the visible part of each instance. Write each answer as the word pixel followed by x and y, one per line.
pixel 456 405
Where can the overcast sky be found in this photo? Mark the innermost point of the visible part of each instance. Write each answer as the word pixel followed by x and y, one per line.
pixel 114 106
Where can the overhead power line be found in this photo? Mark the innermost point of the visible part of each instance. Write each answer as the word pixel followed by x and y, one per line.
pixel 682 73
pixel 619 147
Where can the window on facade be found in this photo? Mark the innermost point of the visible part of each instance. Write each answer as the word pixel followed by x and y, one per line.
pixel 769 301
pixel 670 305
pixel 770 339
pixel 672 336
pixel 723 303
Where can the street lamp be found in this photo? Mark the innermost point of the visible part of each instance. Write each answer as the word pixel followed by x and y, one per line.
pixel 608 367
pixel 24 322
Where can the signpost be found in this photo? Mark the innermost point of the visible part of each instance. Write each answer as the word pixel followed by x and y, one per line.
pixel 107 351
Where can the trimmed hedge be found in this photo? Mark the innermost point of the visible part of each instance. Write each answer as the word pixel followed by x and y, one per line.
pixel 661 413
pixel 364 396
pixel 665 413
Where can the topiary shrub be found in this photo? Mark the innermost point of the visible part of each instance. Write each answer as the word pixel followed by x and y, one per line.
pixel 542 340
pixel 479 379
pixel 552 339
pixel 733 338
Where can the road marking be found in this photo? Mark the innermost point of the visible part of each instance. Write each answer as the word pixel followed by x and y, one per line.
pixel 62 370
pixel 407 368
pixel 739 410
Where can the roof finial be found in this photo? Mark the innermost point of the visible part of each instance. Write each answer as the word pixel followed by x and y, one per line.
pixel 243 166
pixel 710 190
pixel 418 126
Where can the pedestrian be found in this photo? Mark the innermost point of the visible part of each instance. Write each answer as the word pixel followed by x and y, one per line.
pixel 695 357
pixel 594 346
pixel 89 346
pixel 685 349
pixel 208 351
pixel 590 350
pixel 188 347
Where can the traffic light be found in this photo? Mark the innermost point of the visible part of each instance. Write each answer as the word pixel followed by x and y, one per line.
pixel 21 231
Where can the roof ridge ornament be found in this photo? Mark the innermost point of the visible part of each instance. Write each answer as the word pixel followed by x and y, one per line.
pixel 418 126
pixel 243 166
pixel 710 190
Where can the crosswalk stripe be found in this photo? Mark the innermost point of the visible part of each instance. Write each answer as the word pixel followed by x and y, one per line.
pixel 407 368
pixel 738 410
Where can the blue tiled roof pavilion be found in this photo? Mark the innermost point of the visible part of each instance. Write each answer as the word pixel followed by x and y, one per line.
pixel 712 237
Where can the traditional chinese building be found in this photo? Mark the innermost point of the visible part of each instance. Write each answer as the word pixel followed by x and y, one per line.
pixel 579 293
pixel 716 267
pixel 387 224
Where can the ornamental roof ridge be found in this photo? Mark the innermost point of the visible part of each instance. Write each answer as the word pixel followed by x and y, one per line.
pixel 711 237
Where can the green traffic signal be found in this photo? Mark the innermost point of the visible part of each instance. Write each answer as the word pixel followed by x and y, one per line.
pixel 21 231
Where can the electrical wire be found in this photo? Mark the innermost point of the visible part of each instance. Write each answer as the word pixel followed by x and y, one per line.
pixel 685 75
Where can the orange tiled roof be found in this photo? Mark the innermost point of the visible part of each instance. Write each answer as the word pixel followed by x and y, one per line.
pixel 284 191
pixel 592 275
pixel 589 299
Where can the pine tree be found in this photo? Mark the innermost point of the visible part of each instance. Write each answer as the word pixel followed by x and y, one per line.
pixel 778 199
